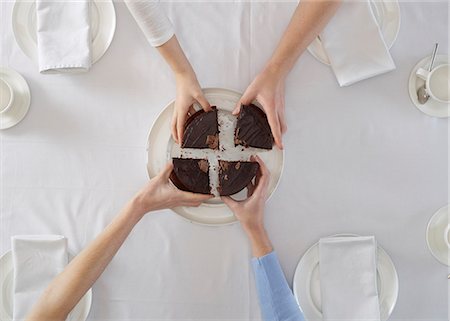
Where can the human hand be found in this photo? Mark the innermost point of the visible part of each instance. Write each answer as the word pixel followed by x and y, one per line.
pixel 188 92
pixel 268 89
pixel 159 194
pixel 250 212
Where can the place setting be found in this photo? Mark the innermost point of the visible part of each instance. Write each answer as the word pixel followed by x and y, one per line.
pixel 15 98
pixel 74 41
pixel 429 85
pixel 27 269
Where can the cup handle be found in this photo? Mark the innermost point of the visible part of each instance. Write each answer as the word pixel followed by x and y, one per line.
pixel 422 73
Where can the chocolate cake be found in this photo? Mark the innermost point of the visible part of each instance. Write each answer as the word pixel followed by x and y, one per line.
pixel 235 176
pixel 252 128
pixel 191 175
pixel 201 130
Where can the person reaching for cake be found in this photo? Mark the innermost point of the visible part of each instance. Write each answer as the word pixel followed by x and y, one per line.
pixel 276 300
pixel 67 288
pixel 159 32
pixel 308 20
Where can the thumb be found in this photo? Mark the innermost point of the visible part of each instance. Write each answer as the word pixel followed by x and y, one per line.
pixel 231 203
pixel 203 102
pixel 246 99
pixel 165 173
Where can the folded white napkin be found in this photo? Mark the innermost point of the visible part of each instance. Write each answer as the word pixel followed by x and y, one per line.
pixel 354 43
pixel 63 35
pixel 348 279
pixel 37 259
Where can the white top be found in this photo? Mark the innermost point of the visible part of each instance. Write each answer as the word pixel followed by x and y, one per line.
pixel 152 21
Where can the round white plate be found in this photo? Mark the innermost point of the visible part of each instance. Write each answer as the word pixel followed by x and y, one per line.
pixel 435 235
pixel 79 313
pixel 103 25
pixel 387 14
pixel 307 283
pixel 161 148
pixel 22 98
pixel 431 107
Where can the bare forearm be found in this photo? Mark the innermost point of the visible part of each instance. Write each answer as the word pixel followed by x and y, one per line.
pixel 310 17
pixel 68 287
pixel 259 240
pixel 173 54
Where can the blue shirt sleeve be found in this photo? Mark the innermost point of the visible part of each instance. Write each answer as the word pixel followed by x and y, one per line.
pixel 275 297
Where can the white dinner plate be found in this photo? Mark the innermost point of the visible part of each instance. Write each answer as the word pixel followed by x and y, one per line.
pixel 22 98
pixel 436 228
pixel 161 148
pixel 103 25
pixel 79 313
pixel 431 107
pixel 387 14
pixel 306 283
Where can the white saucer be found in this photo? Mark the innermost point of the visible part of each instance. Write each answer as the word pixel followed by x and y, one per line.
pixel 22 98
pixel 103 25
pixel 435 235
pixel 387 14
pixel 79 313
pixel 431 107
pixel 306 283
pixel 161 148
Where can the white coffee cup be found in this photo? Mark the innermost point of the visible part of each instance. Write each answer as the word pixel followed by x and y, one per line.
pixel 437 82
pixel 6 96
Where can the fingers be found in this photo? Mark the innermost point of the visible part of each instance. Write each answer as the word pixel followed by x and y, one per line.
pixel 282 120
pixel 231 203
pixel 262 178
pixel 274 123
pixel 181 120
pixel 173 126
pixel 203 102
pixel 191 111
pixel 246 99
pixel 165 173
pixel 250 189
pixel 193 199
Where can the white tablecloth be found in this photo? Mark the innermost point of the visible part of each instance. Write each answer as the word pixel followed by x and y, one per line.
pixel 360 159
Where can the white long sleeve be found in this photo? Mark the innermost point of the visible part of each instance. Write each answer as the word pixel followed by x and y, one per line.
pixel 152 21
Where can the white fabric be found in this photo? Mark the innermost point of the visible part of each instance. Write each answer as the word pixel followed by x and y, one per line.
pixel 63 35
pixel 354 43
pixel 348 279
pixel 37 259
pixel 360 159
pixel 152 21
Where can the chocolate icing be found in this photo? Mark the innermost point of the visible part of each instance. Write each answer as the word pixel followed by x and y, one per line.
pixel 201 130
pixel 252 128
pixel 235 176
pixel 191 175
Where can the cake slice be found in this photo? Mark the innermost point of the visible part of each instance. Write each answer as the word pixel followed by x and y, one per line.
pixel 191 175
pixel 252 128
pixel 235 176
pixel 201 130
